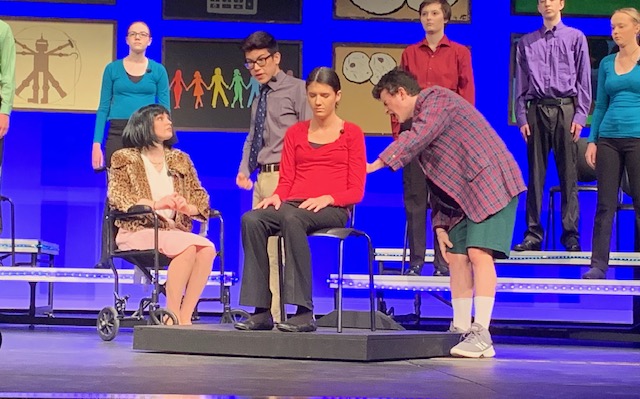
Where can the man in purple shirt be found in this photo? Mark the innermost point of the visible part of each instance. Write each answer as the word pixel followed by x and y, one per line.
pixel 553 98
pixel 474 182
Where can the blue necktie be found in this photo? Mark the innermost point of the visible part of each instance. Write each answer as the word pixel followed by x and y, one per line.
pixel 258 130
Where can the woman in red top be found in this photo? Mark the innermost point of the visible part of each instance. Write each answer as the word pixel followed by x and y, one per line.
pixel 322 172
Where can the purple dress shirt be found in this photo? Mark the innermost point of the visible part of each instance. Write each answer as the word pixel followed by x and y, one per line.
pixel 553 64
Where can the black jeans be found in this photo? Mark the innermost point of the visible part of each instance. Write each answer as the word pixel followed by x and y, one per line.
pixel 550 127
pixel 613 156
pixel 294 224
pixel 113 144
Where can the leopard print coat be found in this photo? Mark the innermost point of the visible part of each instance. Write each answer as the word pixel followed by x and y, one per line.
pixel 128 184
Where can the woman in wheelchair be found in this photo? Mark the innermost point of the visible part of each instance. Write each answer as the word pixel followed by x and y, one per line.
pixel 322 173
pixel 148 171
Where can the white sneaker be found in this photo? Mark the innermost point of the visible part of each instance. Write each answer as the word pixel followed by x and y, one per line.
pixel 475 343
pixel 456 330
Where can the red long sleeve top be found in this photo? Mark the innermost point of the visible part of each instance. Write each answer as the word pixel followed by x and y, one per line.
pixel 337 169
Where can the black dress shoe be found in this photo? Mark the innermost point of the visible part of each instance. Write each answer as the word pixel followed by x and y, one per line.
pixel 572 245
pixel 413 271
pixel 527 245
pixel 293 327
pixel 594 274
pixel 441 272
pixel 256 322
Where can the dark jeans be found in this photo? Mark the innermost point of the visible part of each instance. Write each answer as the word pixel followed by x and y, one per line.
pixel 113 144
pixel 550 127
pixel 613 156
pixel 294 224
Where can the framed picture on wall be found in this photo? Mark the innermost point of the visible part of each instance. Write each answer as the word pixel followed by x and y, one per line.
pixel 360 66
pixel 73 1
pixel 285 11
pixel 59 62
pixel 395 10
pixel 211 90
pixel 580 8
pixel 599 47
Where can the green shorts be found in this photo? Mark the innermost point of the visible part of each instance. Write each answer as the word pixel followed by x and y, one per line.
pixel 494 233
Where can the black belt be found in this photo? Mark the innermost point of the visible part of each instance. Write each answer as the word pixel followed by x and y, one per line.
pixel 553 101
pixel 270 167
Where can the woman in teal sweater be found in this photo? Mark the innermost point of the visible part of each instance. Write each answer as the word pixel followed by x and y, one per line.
pixel 614 142
pixel 127 85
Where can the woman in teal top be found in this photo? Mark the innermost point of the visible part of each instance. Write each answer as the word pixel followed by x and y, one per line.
pixel 614 142
pixel 128 84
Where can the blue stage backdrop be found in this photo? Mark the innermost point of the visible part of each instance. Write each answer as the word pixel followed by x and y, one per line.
pixel 59 198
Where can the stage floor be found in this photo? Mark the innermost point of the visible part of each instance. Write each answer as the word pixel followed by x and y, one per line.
pixel 75 360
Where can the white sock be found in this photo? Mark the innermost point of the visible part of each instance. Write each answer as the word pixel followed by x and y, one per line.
pixel 484 309
pixel 462 313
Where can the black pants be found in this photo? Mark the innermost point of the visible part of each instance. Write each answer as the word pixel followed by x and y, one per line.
pixel 416 203
pixel 294 224
pixel 613 156
pixel 550 127
pixel 113 144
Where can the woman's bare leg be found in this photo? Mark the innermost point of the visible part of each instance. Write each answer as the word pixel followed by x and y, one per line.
pixel 178 274
pixel 197 281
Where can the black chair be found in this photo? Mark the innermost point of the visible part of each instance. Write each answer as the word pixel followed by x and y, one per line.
pixel 585 175
pixel 341 234
pixel 149 263
pixel 624 205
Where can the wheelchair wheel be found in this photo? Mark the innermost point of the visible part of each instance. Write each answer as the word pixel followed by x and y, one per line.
pixel 108 323
pixel 163 317
pixel 234 316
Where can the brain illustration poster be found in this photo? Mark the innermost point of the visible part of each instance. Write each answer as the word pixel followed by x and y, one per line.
pixel 210 88
pixel 406 10
pixel 360 66
pixel 59 63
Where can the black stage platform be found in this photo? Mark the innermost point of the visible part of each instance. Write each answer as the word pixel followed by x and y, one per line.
pixel 324 344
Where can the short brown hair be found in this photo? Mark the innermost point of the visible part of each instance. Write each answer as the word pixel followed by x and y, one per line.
pixel 444 4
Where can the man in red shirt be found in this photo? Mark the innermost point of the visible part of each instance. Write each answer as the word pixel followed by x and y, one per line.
pixel 435 60
pixel 474 182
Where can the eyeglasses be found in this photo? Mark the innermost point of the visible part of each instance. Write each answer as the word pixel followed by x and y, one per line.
pixel 262 61
pixel 142 35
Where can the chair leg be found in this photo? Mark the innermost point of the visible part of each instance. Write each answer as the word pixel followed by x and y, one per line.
pixel 405 245
pixel 552 226
pixel 372 293
pixel 549 219
pixel 283 314
pixel 340 280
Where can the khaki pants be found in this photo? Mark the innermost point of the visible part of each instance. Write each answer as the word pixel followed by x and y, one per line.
pixel 264 187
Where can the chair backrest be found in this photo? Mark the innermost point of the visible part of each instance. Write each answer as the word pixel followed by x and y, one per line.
pixel 586 174
pixel 352 216
pixel 624 183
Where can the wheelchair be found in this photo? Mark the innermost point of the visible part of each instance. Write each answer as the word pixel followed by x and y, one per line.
pixel 149 263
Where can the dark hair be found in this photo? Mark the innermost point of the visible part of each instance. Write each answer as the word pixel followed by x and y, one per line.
pixel 139 131
pixel 139 22
pixel 324 75
pixel 395 79
pixel 444 4
pixel 260 40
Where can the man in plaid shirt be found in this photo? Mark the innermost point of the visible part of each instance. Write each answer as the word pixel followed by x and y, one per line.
pixel 474 181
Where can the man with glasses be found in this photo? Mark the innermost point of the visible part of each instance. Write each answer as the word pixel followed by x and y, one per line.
pixel 282 102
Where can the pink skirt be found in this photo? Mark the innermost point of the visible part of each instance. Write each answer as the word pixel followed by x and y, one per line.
pixel 170 242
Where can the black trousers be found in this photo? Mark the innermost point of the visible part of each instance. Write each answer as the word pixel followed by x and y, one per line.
pixel 113 144
pixel 416 203
pixel 550 127
pixel 613 156
pixel 294 224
